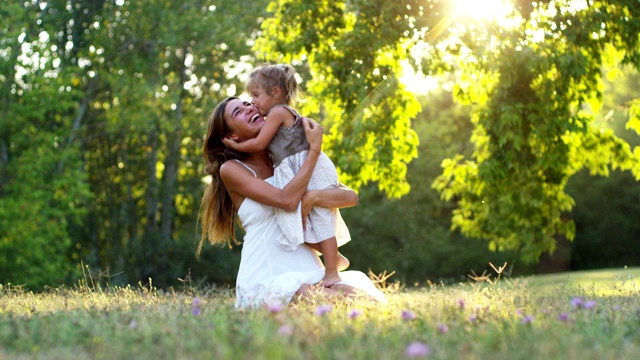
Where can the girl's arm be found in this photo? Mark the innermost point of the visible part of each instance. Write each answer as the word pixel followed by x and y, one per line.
pixel 276 118
pixel 241 183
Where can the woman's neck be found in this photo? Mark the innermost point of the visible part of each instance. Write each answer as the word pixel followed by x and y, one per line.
pixel 261 163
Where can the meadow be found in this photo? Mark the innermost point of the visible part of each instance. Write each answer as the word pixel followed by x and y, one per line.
pixel 577 315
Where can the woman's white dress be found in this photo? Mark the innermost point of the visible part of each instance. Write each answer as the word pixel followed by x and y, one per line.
pixel 268 273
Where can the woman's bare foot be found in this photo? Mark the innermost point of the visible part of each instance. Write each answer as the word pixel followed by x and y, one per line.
pixel 343 262
pixel 330 278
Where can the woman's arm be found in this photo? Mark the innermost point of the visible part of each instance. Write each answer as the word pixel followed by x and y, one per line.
pixel 242 184
pixel 340 197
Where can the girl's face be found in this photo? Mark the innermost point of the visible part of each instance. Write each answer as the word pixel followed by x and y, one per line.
pixel 263 101
pixel 243 119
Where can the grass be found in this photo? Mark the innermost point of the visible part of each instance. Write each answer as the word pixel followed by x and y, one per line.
pixel 578 315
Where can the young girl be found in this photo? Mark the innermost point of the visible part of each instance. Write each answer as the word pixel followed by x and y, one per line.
pixel 273 89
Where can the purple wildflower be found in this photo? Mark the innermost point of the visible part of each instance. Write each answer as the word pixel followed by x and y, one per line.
pixel 472 318
pixel 323 309
pixel 527 319
pixel 417 349
pixel 443 328
pixel 408 315
pixel 354 313
pixel 195 306
pixel 589 304
pixel 133 324
pixel 577 302
pixel 564 317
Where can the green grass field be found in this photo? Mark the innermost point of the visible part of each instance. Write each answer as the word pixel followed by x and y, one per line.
pixel 577 315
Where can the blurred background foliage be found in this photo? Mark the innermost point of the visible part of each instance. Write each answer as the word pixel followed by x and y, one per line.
pixel 104 106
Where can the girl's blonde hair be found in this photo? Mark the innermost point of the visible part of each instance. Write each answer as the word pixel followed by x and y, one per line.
pixel 216 209
pixel 267 76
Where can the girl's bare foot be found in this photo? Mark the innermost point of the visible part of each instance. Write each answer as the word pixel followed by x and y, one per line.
pixel 330 278
pixel 343 262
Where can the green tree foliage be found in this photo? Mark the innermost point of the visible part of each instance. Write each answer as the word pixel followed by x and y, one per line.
pixel 411 235
pixel 533 84
pixel 44 189
pixel 353 50
pixel 534 96
pixel 606 210
pixel 104 105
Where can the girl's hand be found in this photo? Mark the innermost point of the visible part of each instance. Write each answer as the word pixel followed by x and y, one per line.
pixel 229 143
pixel 313 131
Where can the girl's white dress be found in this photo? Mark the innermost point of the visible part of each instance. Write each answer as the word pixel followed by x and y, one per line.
pixel 288 150
pixel 268 274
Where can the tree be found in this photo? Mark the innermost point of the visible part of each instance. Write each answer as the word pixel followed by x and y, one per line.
pixel 534 104
pixel 531 84
pixel 44 188
pixel 107 104
pixel 353 50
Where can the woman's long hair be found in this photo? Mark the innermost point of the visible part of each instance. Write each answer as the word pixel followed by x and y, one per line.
pixel 216 209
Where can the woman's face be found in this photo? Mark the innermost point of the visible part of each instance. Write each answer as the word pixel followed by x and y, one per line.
pixel 244 120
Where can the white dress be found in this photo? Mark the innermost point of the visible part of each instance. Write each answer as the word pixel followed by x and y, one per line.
pixel 269 274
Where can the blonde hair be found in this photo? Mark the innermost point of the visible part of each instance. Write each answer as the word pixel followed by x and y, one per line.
pixel 267 76
pixel 216 209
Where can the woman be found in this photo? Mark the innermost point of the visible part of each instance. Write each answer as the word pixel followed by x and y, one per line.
pixel 241 183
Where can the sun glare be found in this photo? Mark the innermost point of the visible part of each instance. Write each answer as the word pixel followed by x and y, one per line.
pixel 482 9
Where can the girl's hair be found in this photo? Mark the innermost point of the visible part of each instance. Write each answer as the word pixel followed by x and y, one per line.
pixel 267 76
pixel 216 209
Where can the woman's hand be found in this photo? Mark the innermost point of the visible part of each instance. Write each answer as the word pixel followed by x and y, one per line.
pixel 313 131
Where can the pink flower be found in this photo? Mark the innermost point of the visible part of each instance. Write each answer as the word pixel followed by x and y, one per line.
pixel 274 307
pixel 527 319
pixel 354 313
pixel 417 349
pixel 408 315
pixel 323 309
pixel 285 329
pixel 461 303
pixel 443 328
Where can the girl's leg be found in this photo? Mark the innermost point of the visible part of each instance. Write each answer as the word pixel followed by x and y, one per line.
pixel 343 263
pixel 329 250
